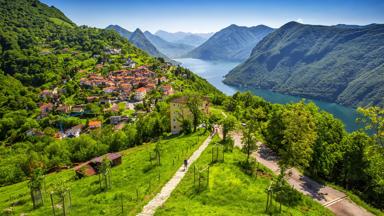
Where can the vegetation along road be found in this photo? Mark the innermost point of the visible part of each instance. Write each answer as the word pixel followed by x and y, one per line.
pixel 335 200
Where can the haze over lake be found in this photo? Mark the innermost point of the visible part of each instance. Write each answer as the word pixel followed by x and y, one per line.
pixel 214 72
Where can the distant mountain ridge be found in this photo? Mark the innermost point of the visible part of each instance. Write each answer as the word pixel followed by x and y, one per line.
pixel 139 40
pixel 173 50
pixel 233 43
pixel 192 39
pixel 122 31
pixel 340 63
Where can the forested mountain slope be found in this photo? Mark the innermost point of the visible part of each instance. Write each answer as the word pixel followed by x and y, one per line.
pixel 233 43
pixel 340 63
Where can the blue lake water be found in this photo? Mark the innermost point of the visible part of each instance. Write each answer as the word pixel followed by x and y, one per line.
pixel 214 72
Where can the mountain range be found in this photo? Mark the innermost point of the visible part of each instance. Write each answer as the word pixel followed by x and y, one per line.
pixel 233 43
pixel 139 40
pixel 192 39
pixel 171 49
pixel 153 44
pixel 341 63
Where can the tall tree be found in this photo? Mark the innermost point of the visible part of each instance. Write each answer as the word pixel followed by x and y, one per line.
pixel 249 139
pixel 327 151
pixel 194 104
pixel 228 124
pixel 299 135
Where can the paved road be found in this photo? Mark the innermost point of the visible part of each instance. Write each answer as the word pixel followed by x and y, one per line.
pixel 166 191
pixel 333 199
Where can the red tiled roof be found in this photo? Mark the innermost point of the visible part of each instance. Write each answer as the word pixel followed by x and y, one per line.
pixel 141 89
pixel 94 123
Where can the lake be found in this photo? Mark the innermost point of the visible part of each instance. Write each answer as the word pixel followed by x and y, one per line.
pixel 214 72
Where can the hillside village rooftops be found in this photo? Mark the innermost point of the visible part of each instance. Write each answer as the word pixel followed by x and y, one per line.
pixel 46 107
pixel 94 124
pixel 142 89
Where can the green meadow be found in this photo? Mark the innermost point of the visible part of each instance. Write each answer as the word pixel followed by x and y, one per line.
pixel 232 192
pixel 133 183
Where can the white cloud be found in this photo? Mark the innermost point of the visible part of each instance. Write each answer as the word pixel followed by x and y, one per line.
pixel 300 20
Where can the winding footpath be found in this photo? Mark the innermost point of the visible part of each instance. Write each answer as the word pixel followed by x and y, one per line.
pixel 333 199
pixel 166 191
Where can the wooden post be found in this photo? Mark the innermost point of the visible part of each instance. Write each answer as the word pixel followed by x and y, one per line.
pixel 266 207
pixel 199 180
pixel 149 186
pixel 208 179
pixel 53 205
pixel 217 153
pixel 194 175
pixel 33 198
pixel 137 194
pixel 122 203
pixel 63 197
pixel 100 181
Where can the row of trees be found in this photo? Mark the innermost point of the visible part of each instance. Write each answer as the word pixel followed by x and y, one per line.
pixel 303 136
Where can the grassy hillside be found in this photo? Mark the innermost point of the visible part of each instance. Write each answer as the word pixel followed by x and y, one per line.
pixel 333 63
pixel 231 192
pixel 135 173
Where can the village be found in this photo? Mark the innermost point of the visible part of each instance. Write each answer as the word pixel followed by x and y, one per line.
pixel 118 90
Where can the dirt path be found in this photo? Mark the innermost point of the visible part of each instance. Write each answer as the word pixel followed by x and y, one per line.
pixel 166 191
pixel 333 199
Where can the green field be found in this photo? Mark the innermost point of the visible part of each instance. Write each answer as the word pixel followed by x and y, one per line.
pixel 231 192
pixel 135 174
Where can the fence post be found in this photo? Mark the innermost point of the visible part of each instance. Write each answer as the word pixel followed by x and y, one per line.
pixel 122 203
pixel 63 197
pixel 137 195
pixel 70 199
pixel 266 207
pixel 208 179
pixel 53 206
pixel 217 152
pixel 194 175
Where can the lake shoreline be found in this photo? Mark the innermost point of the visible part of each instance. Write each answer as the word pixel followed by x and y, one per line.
pixel 214 72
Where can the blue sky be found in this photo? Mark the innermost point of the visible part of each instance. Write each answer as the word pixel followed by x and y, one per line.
pixel 213 15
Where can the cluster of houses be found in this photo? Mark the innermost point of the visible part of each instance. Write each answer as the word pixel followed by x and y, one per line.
pixel 125 84
pixel 127 87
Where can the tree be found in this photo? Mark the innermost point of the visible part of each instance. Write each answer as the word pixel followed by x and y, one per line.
pixel 194 104
pixel 299 135
pixel 327 150
pixel 353 174
pixel 373 119
pixel 228 124
pixel 35 183
pixel 249 139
